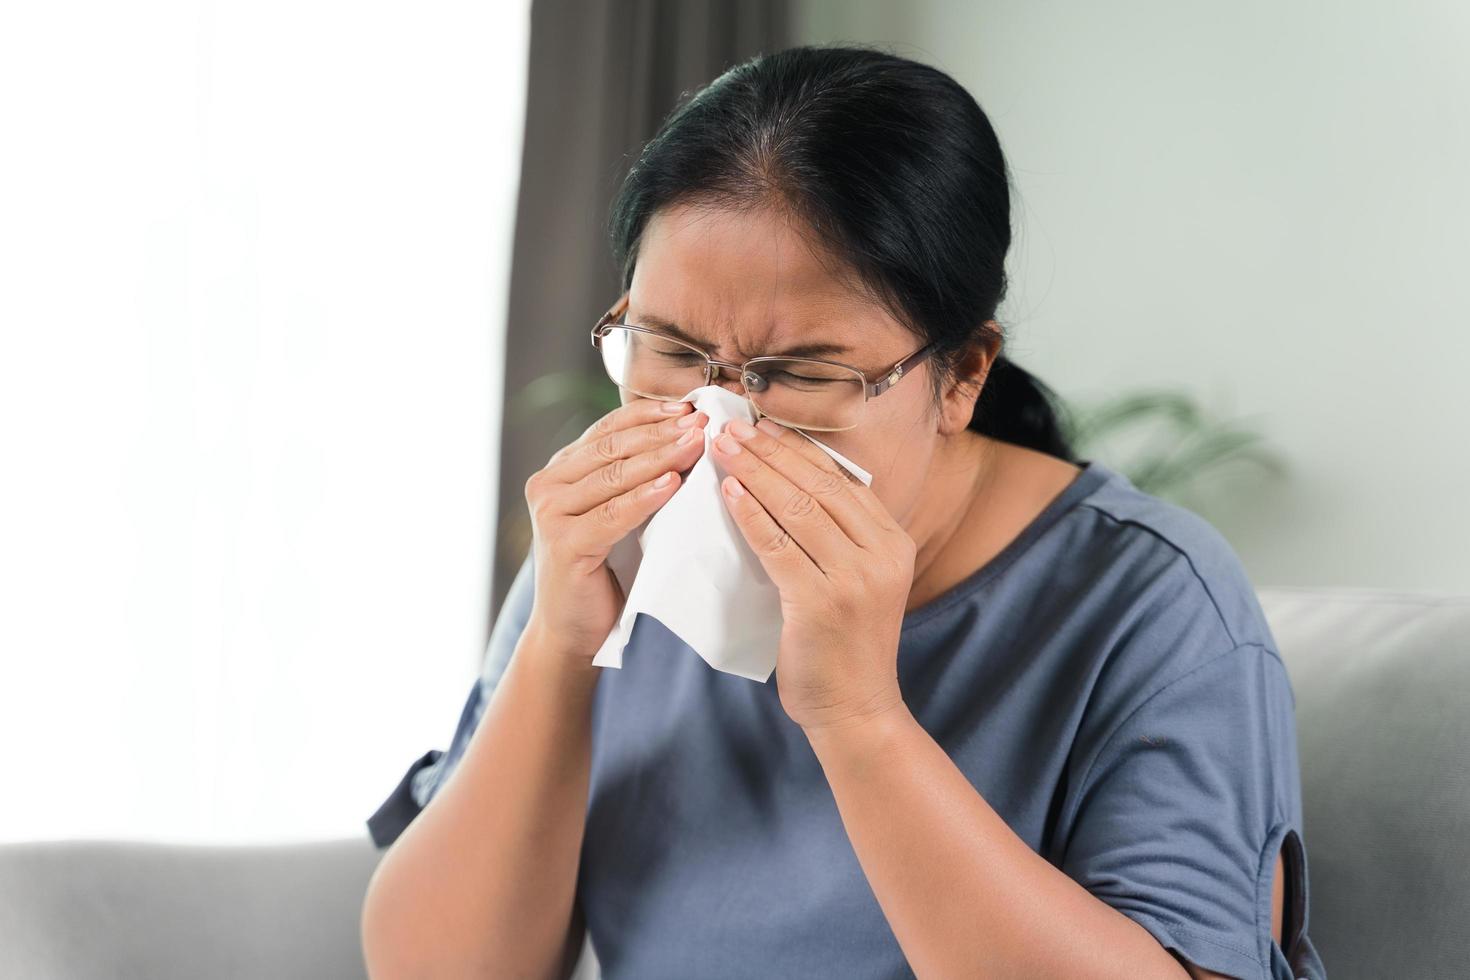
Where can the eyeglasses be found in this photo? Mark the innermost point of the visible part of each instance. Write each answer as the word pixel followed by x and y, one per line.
pixel 801 392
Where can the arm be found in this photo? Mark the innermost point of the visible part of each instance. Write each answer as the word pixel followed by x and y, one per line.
pixel 1164 862
pixel 964 895
pixel 483 881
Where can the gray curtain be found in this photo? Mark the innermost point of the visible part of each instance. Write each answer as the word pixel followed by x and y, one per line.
pixel 603 75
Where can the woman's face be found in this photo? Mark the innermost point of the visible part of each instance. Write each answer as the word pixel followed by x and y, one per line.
pixel 747 284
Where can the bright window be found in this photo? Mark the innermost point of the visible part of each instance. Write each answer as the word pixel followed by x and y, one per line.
pixel 255 258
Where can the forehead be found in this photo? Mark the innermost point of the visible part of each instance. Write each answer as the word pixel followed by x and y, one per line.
pixel 750 283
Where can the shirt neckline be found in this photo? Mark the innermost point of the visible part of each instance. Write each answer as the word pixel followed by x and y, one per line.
pixel 1092 475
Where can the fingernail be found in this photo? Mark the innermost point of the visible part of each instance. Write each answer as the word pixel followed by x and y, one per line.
pixel 673 408
pixel 769 426
pixel 687 420
pixel 687 437
pixel 733 487
pixel 740 429
pixel 663 481
pixel 727 445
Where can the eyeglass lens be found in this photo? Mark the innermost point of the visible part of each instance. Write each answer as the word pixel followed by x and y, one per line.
pixel 802 393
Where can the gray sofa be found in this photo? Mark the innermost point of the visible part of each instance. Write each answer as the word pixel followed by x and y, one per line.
pixel 1383 713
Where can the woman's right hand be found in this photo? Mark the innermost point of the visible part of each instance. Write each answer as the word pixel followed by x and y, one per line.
pixel 589 496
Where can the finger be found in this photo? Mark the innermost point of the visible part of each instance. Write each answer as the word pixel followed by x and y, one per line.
pixel 794 509
pixel 804 463
pixel 783 559
pixel 861 491
pixel 642 425
pixel 623 473
pixel 595 532
pixel 624 426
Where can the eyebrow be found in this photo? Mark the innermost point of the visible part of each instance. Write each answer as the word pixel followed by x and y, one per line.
pixel 798 350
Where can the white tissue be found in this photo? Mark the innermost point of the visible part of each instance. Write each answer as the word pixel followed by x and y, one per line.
pixel 689 566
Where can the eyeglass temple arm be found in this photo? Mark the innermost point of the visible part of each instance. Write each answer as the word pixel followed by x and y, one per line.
pixel 876 388
pixel 610 315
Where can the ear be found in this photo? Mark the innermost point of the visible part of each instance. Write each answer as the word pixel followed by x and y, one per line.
pixel 958 404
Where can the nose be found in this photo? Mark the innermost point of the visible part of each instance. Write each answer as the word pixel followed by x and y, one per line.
pixel 727 378
pixel 733 385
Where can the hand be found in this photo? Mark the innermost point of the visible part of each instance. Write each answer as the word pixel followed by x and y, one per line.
pixel 589 496
pixel 843 565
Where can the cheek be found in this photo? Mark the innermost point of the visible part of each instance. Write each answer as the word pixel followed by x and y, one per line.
pixel 856 445
pixel 874 452
pixel 898 453
pixel 890 445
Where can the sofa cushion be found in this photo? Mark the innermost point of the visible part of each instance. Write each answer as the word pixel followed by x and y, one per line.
pixel 1382 685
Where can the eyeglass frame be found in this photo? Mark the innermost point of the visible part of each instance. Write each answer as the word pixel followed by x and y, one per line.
pixel 871 389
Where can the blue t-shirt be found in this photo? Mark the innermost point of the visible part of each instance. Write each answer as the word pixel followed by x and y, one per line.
pixel 1107 682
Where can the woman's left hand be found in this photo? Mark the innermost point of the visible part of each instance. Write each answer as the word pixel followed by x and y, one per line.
pixel 843 565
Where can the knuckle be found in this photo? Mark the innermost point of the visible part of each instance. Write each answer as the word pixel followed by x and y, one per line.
pixel 606 447
pixel 608 512
pixel 612 474
pixel 827 484
pixel 540 509
pixel 800 504
pixel 780 541
pixel 766 448
pixel 532 488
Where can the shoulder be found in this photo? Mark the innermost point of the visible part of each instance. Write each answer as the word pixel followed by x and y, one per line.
pixel 1174 593
pixel 1160 554
pixel 1186 544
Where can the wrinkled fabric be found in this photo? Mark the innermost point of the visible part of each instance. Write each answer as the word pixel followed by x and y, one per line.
pixel 1107 683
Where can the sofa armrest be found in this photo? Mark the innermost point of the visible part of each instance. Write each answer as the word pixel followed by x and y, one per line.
pixel 77 909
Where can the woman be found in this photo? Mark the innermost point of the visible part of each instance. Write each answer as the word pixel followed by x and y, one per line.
pixel 1026 719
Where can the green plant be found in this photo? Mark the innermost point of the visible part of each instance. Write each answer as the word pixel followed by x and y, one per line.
pixel 584 396
pixel 1182 440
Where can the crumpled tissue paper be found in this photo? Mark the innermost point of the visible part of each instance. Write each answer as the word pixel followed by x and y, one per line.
pixel 689 567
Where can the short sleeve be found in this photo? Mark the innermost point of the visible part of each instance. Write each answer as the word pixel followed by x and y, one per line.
pixel 1179 817
pixel 429 771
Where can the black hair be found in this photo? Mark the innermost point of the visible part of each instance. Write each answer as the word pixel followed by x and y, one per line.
pixel 891 167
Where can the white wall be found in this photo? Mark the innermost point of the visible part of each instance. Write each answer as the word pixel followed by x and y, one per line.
pixel 254 262
pixel 1265 203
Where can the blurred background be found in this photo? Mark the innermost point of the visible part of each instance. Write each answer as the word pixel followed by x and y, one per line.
pixel 293 297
